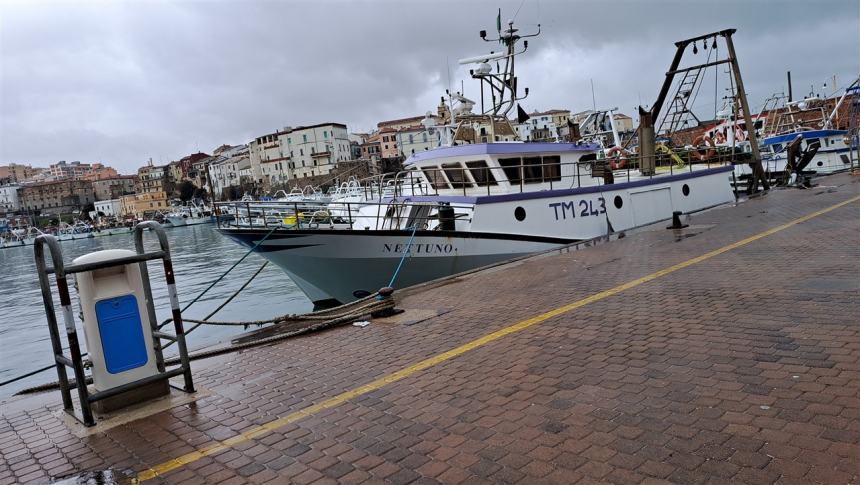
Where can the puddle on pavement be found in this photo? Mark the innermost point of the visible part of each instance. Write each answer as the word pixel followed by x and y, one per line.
pixel 99 477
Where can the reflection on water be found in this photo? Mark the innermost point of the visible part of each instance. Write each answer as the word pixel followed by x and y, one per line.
pixel 199 254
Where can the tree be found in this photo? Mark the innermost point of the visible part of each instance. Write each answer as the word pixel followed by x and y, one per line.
pixel 186 190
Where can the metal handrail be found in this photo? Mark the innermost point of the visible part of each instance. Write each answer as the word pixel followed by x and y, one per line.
pixel 61 272
pixel 390 190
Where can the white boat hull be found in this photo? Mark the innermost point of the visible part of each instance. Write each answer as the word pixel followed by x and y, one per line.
pixel 188 221
pixel 332 265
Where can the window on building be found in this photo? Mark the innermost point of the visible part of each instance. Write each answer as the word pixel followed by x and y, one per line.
pixel 305 138
pixel 410 139
pixel 301 152
pixel 325 134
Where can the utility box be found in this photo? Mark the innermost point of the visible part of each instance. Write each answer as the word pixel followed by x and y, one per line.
pixel 117 329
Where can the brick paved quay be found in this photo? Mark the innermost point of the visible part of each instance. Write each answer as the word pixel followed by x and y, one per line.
pixel 742 365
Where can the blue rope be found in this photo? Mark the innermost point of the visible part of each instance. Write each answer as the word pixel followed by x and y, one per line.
pixel 403 257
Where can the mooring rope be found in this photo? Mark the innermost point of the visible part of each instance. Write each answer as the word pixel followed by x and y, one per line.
pixel 164 323
pixel 197 323
pixel 403 256
pixel 368 305
pixel 212 285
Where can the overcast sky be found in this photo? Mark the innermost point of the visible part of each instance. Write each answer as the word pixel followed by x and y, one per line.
pixel 120 82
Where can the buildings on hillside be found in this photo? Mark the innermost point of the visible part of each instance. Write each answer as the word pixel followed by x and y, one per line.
pixel 225 172
pixel 297 153
pixel 9 201
pixel 115 187
pixel 17 173
pixel 55 198
pixel 152 190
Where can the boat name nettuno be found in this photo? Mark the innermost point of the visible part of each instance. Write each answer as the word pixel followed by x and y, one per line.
pixel 419 248
pixel 585 208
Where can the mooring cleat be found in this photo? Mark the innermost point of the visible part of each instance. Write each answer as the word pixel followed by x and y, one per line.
pixel 676 221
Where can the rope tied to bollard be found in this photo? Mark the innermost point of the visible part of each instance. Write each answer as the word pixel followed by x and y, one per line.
pixel 380 301
pixel 169 320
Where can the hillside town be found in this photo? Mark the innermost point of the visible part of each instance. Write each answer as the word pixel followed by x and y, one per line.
pixel 320 155
pixel 293 157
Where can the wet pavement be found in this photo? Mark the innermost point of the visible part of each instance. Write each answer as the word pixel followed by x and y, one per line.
pixel 725 352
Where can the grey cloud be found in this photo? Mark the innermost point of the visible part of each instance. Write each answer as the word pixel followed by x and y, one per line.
pixel 122 82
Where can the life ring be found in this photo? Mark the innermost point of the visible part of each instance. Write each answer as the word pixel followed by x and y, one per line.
pixel 719 138
pixel 706 152
pixel 617 162
pixel 739 135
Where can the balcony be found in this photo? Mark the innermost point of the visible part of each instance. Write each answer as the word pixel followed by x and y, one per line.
pixel 321 154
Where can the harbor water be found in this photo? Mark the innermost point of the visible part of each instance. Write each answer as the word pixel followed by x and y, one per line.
pixel 199 254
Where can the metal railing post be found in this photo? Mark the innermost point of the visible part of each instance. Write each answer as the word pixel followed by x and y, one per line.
pixel 51 315
pixel 170 278
pixel 69 322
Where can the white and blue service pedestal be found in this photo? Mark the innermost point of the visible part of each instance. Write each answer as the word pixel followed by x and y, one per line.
pixel 122 334
pixel 117 329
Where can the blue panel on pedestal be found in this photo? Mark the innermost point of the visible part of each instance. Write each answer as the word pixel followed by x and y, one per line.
pixel 123 343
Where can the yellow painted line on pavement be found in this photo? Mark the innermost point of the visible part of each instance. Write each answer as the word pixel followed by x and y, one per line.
pixel 261 430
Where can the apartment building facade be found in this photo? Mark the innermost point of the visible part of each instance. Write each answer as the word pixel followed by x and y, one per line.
pixel 114 187
pixel 58 197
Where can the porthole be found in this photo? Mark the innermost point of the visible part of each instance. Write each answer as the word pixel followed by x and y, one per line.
pixel 618 202
pixel 685 190
pixel 520 213
pixel 820 164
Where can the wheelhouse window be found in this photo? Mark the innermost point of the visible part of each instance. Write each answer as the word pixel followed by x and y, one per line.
pixel 434 176
pixel 552 168
pixel 532 172
pixel 455 174
pixel 512 169
pixel 481 173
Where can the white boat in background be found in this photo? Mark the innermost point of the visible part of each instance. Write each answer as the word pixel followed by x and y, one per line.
pixel 189 215
pixel 76 230
pixel 804 131
pixel 113 230
pixel 19 236
pixel 483 198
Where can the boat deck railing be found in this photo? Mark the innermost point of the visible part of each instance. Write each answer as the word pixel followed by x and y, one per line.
pixel 363 215
pixel 531 177
pixel 390 194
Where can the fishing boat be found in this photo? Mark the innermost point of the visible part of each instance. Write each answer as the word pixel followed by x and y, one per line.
pixel 189 215
pixel 801 138
pixel 481 198
pixel 19 236
pixel 75 230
